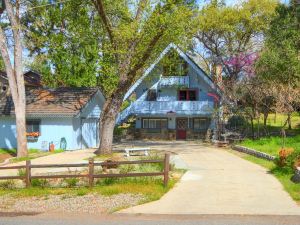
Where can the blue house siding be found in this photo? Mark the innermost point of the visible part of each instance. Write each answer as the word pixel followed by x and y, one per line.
pixel 7 132
pixel 51 130
pixel 80 132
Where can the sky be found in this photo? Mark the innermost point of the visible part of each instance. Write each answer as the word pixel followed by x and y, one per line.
pixel 232 2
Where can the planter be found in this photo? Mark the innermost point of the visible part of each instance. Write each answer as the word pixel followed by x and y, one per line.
pixel 32 138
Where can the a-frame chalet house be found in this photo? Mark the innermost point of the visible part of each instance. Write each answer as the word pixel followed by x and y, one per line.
pixel 175 99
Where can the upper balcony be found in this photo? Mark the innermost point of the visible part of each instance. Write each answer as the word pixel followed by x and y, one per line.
pixel 163 108
pixel 169 81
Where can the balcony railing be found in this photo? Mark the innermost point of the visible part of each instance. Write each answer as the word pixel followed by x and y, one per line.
pixel 174 81
pixel 167 107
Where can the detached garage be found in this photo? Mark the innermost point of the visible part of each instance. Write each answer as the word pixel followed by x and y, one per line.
pixel 68 118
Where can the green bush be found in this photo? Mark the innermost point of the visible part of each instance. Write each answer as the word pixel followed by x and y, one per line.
pixel 290 162
pixel 106 181
pixel 39 183
pixel 124 169
pixel 22 172
pixel 71 182
pixel 8 184
pixel 118 131
pixel 237 122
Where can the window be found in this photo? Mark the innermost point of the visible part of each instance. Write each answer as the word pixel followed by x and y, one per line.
pixel 201 123
pixel 155 123
pixel 173 64
pixel 151 95
pixel 187 95
pixel 33 126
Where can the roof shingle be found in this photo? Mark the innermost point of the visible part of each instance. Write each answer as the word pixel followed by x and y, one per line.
pixel 50 102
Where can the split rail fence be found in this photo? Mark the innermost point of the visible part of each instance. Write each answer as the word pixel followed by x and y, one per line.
pixel 90 175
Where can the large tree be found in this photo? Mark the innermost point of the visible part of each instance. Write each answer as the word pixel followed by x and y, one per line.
pixel 279 62
pixel 232 32
pixel 108 43
pixel 64 41
pixel 11 41
pixel 137 32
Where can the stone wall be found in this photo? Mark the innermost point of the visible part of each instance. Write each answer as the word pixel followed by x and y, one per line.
pixel 253 152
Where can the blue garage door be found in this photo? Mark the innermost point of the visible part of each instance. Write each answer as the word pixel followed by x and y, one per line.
pixel 90 133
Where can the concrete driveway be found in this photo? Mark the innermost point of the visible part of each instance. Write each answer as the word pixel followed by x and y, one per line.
pixel 219 182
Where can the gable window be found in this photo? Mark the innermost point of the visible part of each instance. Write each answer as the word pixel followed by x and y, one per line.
pixel 187 95
pixel 173 64
pixel 155 123
pixel 201 123
pixel 33 128
pixel 152 95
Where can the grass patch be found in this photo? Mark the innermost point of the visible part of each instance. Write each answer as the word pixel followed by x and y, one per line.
pixel 152 188
pixel 272 145
pixel 8 151
pixel 276 121
pixel 281 174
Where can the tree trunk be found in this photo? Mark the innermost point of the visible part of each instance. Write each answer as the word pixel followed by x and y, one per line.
pixel 252 127
pixel 15 73
pixel 21 131
pixel 108 122
pixel 289 121
pixel 266 114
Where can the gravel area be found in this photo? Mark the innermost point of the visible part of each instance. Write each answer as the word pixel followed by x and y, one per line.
pixel 90 203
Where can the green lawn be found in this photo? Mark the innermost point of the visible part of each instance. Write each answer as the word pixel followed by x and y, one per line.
pixel 272 145
pixel 276 121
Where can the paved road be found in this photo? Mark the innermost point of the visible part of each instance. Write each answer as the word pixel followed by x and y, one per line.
pixel 148 220
pixel 219 182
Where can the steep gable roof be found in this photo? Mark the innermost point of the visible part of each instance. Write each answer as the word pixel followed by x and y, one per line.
pixel 186 57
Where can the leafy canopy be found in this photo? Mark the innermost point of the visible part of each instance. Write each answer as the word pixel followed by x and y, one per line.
pixel 280 58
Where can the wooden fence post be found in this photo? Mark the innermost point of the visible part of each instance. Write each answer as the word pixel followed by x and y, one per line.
pixel 166 169
pixel 28 173
pixel 91 172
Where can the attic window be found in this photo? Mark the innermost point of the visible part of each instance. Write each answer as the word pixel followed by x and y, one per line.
pixel 152 95
pixel 174 65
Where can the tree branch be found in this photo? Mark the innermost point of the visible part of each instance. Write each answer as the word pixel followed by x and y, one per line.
pixel 100 8
pixel 140 9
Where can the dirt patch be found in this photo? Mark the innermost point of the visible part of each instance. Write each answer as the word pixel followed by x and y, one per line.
pixel 5 156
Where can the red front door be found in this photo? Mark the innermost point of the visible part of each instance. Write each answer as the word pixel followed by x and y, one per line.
pixel 181 126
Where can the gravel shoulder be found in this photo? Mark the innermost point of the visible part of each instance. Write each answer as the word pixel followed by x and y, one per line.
pixel 90 203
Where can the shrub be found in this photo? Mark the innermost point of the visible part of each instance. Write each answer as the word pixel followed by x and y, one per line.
pixel 118 131
pixel 8 184
pixel 237 122
pixel 126 168
pixel 283 154
pixel 39 183
pixel 106 181
pixel 71 182
pixel 288 160
pixel 293 159
pixel 21 172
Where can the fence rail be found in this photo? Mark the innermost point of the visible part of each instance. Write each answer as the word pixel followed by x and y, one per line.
pixel 91 168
